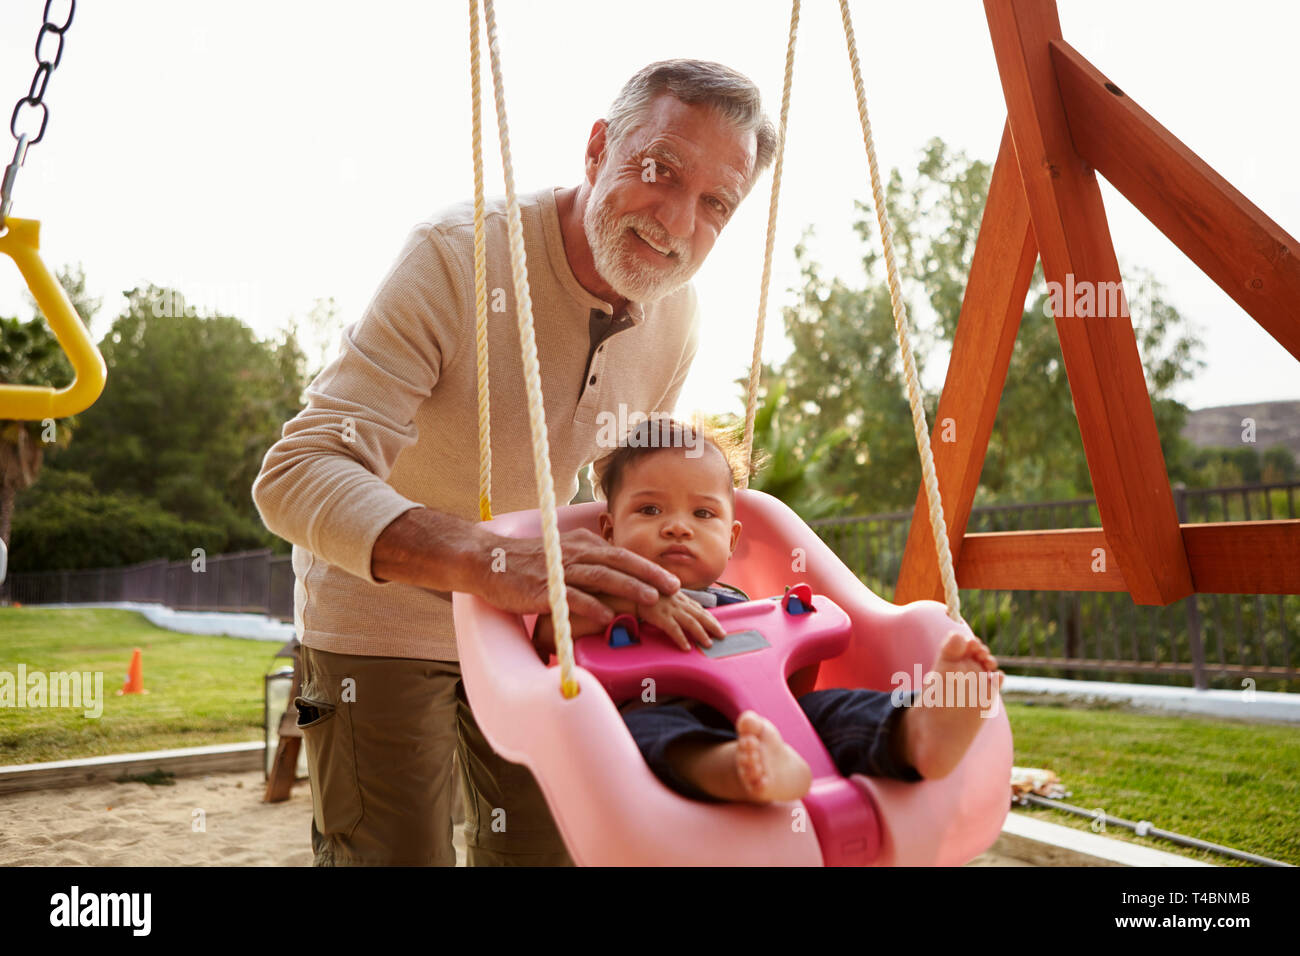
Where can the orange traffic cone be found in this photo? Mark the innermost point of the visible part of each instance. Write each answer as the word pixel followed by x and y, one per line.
pixel 135 676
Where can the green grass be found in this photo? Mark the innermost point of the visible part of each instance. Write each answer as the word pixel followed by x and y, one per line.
pixel 202 690
pixel 1228 782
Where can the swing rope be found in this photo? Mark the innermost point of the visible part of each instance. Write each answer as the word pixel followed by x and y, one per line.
pixel 528 343
pixel 756 363
pixel 480 281
pixel 937 524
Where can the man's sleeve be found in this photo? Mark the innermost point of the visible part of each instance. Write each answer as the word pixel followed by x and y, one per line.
pixel 323 484
pixel 668 403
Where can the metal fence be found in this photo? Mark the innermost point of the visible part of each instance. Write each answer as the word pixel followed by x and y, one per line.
pixel 1218 640
pixel 248 581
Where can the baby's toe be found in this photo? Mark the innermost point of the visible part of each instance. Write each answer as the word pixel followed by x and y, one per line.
pixel 749 724
pixel 750 768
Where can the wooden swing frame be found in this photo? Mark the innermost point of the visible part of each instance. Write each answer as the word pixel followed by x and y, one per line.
pixel 1065 123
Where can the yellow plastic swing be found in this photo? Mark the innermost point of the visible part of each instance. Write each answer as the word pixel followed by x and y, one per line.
pixel 20 240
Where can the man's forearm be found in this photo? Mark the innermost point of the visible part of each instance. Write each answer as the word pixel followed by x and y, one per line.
pixel 429 549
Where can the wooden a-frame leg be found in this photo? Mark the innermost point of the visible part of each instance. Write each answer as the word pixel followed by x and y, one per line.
pixel 1098 346
pixel 1001 269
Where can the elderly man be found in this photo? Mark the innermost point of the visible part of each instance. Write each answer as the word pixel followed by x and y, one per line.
pixel 376 481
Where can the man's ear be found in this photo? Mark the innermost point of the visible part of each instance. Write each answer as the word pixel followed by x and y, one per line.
pixel 595 151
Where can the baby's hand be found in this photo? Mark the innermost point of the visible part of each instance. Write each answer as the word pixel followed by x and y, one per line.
pixel 678 615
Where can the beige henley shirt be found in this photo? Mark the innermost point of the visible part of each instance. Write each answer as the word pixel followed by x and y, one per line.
pixel 391 423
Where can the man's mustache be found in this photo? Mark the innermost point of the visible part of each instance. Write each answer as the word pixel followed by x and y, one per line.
pixel 652 233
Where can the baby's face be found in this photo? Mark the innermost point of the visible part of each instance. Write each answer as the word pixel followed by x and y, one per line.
pixel 676 511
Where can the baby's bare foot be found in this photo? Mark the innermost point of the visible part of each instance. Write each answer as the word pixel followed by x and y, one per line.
pixel 757 767
pixel 939 726
pixel 769 768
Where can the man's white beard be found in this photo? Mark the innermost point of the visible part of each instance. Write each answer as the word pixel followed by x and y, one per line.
pixel 631 276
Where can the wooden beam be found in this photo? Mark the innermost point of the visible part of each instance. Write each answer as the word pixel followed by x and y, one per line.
pixel 1002 267
pixel 1226 557
pixel 1247 254
pixel 181 762
pixel 1244 557
pixel 1098 346
pixel 1061 560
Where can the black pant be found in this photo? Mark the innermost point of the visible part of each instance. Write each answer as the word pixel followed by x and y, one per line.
pixel 860 728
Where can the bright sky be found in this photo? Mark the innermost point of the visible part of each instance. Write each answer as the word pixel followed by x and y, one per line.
pixel 259 156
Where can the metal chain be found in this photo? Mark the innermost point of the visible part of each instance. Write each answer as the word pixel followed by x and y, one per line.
pixel 35 98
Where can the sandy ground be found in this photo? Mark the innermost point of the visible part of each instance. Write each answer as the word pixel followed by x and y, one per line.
pixel 134 824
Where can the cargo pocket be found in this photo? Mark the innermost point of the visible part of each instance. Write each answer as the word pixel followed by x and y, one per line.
pixel 331 764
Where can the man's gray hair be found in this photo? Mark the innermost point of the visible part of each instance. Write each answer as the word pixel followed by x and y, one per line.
pixel 732 94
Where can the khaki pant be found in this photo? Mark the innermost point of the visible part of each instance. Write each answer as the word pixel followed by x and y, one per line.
pixel 380 735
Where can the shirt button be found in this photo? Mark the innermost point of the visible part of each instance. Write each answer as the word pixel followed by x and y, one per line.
pixel 592 380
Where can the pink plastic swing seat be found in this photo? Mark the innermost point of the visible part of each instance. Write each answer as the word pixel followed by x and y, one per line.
pixel 766 642
pixel 611 808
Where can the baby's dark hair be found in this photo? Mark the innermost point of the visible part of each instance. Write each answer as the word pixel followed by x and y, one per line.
pixel 656 435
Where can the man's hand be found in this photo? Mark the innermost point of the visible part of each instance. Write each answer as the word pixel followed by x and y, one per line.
pixel 515 580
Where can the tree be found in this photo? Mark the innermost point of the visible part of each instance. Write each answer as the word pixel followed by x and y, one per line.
pixel 845 371
pixel 65 523
pixel 1241 464
pixel 843 377
pixel 318 334
pixel 787 458
pixel 192 404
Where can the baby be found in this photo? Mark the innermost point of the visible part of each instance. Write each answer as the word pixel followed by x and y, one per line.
pixel 674 503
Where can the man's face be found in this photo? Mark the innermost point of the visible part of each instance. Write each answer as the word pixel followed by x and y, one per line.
pixel 672 183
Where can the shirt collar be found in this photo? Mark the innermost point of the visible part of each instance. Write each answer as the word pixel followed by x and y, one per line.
pixel 634 311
